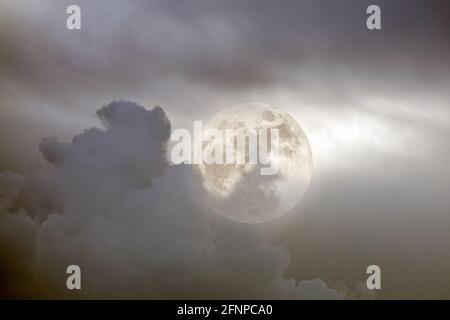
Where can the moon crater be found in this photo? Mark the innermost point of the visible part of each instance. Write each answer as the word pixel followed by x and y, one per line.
pixel 239 191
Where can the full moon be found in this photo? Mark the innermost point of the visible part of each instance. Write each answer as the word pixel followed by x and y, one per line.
pixel 239 191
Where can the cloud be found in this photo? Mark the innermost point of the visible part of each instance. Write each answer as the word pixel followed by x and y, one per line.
pixel 138 228
pixel 213 55
pixel 375 106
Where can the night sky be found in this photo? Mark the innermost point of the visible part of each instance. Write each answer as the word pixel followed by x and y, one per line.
pixel 375 106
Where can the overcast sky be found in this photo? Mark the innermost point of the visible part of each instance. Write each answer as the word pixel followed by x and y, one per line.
pixel 375 106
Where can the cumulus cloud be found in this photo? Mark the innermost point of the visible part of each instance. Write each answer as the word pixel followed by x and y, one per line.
pixel 138 228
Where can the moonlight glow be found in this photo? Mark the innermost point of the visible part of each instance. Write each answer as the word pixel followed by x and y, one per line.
pixel 239 191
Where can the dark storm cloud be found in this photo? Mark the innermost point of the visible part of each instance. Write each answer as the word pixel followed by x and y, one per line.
pixel 237 44
pixel 202 49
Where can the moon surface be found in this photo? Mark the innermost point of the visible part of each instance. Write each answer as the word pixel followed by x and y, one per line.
pixel 239 191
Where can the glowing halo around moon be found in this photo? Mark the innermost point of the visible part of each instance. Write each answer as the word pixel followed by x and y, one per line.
pixel 238 191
